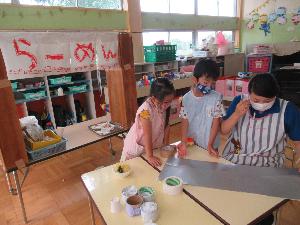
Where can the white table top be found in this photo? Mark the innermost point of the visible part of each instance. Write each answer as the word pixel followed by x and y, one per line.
pixel 236 208
pixel 79 134
pixel 103 185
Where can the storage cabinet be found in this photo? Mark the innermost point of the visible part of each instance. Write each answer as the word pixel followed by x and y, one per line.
pixel 67 98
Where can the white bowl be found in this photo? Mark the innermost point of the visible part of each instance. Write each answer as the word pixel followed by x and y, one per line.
pixel 122 170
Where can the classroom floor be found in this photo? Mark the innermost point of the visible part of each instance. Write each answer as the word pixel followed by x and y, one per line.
pixel 53 192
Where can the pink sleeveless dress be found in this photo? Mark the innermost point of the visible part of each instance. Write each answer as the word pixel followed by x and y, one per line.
pixel 134 141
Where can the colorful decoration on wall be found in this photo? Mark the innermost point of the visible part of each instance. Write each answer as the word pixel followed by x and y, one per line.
pixel 264 4
pixel 278 16
pixel 250 24
pixel 272 17
pixel 281 15
pixel 296 17
pixel 264 25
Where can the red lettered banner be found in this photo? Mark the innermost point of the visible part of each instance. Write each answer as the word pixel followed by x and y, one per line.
pixel 47 53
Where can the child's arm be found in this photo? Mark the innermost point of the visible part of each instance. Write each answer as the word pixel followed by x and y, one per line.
pixel 297 148
pixel 182 151
pixel 147 130
pixel 167 135
pixel 184 129
pixel 215 127
pixel 240 110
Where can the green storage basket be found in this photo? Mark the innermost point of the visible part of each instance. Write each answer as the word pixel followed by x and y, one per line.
pixel 60 80
pixel 160 53
pixel 14 85
pixel 78 88
pixel 35 95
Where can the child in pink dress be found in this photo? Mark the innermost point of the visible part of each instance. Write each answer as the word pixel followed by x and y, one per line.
pixel 150 129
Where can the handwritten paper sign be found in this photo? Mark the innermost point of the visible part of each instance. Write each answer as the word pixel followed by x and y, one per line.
pixel 48 53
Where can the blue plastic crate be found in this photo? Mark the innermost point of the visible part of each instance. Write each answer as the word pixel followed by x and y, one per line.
pixel 47 151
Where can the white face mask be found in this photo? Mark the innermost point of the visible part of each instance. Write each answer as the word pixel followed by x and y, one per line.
pixel 262 106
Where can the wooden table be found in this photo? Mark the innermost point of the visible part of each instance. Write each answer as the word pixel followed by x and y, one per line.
pixel 233 207
pixel 78 136
pixel 102 185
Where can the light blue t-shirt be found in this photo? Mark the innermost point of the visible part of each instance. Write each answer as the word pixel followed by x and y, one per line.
pixel 200 111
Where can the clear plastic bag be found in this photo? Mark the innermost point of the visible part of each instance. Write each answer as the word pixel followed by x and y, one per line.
pixel 32 129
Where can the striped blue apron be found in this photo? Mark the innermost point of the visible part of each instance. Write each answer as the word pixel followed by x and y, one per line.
pixel 258 141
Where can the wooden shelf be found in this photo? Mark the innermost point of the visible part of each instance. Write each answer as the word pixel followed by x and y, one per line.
pixel 178 84
pixel 19 101
pixel 69 83
pixel 69 93
pixel 28 89
pixel 165 70
pixel 146 72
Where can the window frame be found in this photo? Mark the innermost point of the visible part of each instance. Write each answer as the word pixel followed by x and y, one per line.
pixel 16 2
pixel 196 8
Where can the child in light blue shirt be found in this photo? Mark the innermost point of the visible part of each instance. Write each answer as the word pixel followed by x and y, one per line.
pixel 202 109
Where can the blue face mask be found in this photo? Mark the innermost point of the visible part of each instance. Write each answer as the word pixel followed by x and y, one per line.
pixel 204 89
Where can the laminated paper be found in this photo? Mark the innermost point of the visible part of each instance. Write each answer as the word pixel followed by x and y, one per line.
pixel 277 182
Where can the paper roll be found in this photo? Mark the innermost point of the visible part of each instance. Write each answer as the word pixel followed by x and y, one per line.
pixel 128 191
pixel 115 205
pixel 133 205
pixel 172 185
pixel 147 193
pixel 149 212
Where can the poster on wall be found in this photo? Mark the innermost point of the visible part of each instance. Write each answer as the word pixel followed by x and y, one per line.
pixel 49 53
pixel 273 12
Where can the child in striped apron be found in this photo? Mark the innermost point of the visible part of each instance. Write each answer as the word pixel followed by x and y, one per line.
pixel 202 108
pixel 150 129
pixel 258 127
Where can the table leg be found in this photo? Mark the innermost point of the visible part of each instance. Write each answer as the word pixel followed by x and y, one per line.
pixel 10 187
pixel 19 193
pixel 112 151
pixel 91 210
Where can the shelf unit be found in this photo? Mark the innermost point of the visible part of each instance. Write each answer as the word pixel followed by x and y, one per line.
pixel 66 101
pixel 188 61
pixel 178 84
pixel 158 69
pixel 155 68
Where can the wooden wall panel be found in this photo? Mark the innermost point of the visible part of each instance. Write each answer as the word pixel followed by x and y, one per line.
pixel 122 85
pixel 12 145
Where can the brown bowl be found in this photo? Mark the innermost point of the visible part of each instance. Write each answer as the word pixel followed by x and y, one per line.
pixel 135 200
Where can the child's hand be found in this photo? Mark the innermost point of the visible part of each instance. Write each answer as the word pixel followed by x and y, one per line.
pixel 154 161
pixel 242 107
pixel 213 152
pixel 182 151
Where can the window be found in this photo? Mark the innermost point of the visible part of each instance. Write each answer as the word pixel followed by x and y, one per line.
pixel 182 6
pixel 205 35
pixel 208 7
pixel 184 42
pixel 66 3
pixel 228 35
pixel 161 6
pixel 168 6
pixel 101 4
pixel 227 8
pixel 217 7
pixel 208 34
pixel 149 38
